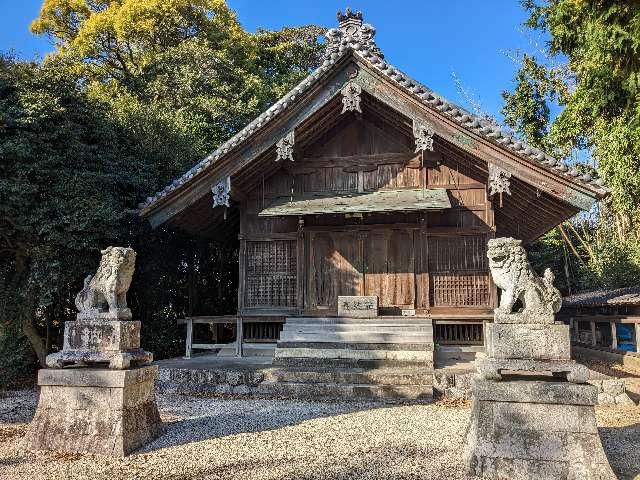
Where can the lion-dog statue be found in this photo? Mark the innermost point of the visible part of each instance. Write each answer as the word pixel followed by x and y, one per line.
pixel 105 292
pixel 535 299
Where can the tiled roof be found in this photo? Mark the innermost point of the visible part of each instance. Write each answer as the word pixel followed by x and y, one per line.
pixel 354 37
pixel 601 298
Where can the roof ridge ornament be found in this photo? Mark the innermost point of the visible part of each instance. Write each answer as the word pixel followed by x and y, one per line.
pixel 351 33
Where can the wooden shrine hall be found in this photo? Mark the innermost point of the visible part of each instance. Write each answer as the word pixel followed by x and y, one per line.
pixel 361 181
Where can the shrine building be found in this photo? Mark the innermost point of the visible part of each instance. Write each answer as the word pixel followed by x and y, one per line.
pixel 362 202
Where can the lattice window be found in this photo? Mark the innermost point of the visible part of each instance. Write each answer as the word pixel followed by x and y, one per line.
pixel 459 271
pixel 271 279
pixel 460 290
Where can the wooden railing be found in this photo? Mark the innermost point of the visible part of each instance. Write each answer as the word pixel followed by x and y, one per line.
pixel 458 333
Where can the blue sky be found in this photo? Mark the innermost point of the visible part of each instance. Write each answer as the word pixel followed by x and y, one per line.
pixel 427 39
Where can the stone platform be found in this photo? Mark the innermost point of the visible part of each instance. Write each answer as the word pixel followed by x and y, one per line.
pixel 523 429
pixel 257 377
pixel 88 410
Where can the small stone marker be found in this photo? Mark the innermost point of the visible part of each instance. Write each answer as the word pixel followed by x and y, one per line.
pixel 535 427
pixel 91 400
pixel 358 306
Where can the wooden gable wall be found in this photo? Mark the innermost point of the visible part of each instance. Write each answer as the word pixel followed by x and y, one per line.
pixel 424 260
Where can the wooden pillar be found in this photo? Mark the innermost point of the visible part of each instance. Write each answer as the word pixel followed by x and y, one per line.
pixel 637 330
pixel 189 341
pixel 593 333
pixel 239 336
pixel 614 336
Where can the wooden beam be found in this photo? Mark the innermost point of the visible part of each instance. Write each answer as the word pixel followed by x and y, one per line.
pixel 189 340
pixel 239 337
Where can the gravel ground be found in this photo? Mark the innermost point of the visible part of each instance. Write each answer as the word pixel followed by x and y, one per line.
pixel 210 438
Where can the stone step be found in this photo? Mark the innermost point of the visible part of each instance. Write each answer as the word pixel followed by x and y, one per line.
pixel 355 337
pixel 346 391
pixel 406 347
pixel 318 362
pixel 249 350
pixel 333 328
pixel 397 376
pixel 359 354
pixel 358 321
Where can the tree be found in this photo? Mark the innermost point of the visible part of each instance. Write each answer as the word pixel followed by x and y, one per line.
pixel 187 61
pixel 591 70
pixel 596 81
pixel 136 92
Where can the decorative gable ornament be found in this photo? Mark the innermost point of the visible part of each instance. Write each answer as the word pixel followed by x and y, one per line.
pixel 423 133
pixel 284 147
pixel 498 180
pixel 351 33
pixel 351 97
pixel 221 193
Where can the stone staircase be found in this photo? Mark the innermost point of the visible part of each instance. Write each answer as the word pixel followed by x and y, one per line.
pixel 387 358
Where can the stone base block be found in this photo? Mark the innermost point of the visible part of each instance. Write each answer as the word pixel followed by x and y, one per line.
pixel 102 335
pixel 117 360
pixel 534 430
pixel 107 412
pixel 491 368
pixel 535 341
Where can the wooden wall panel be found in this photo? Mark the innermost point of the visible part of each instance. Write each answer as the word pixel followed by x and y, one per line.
pixel 401 286
pixel 335 268
pixel 389 267
pixel 377 253
pixel 394 175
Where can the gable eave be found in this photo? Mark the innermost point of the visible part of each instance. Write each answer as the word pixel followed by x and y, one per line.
pixel 582 190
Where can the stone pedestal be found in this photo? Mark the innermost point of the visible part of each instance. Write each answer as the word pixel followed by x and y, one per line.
pixel 98 339
pixel 533 347
pixel 535 430
pixel 88 410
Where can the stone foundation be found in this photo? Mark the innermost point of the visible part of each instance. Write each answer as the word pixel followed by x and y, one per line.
pixel 107 412
pixel 535 430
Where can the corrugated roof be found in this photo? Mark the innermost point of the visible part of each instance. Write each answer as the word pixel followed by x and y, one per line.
pixel 405 200
pixel 603 297
pixel 343 42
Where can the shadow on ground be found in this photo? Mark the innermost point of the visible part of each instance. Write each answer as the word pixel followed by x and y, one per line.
pixel 198 418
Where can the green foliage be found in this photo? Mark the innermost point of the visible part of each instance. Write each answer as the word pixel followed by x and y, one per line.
pixel 136 92
pixel 597 84
pixel 591 70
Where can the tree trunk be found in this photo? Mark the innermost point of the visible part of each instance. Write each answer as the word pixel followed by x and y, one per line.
pixel 30 331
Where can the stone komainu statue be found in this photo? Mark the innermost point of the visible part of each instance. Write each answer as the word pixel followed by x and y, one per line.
pixel 539 300
pixel 106 291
